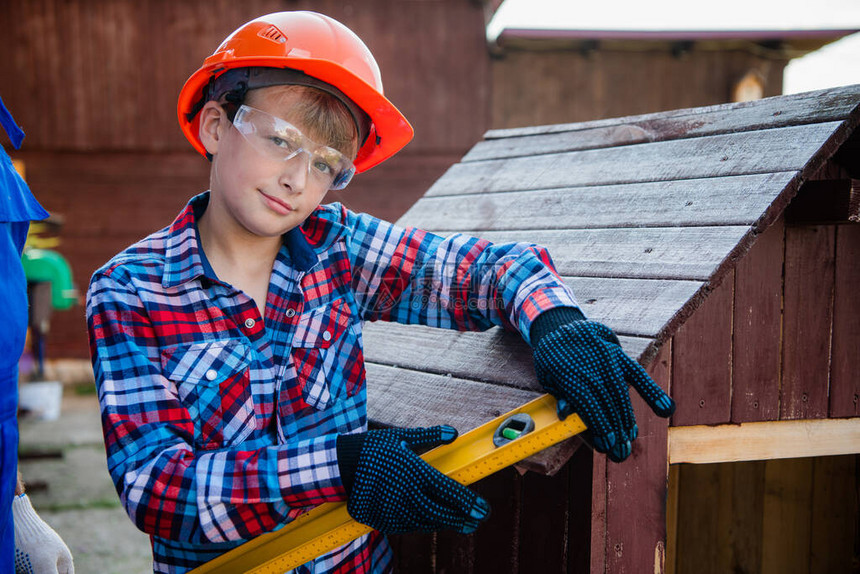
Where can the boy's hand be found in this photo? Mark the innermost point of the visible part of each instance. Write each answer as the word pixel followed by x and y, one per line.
pixel 393 490
pixel 581 364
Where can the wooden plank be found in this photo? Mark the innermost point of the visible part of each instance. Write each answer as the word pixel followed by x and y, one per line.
pixel 579 512
pixel 685 253
pixel 787 516
pixel 844 380
pixel 638 307
pixel 497 541
pixel 672 533
pixel 768 114
pixel 402 397
pixel 747 507
pixel 543 531
pixel 766 151
pixel 834 514
pixel 810 107
pixel 764 440
pixel 455 552
pixel 809 276
pixel 637 489
pixel 680 203
pixel 702 509
pixel 599 497
pixel 494 356
pixel 413 552
pixel 702 349
pixel 757 329
pixel 720 508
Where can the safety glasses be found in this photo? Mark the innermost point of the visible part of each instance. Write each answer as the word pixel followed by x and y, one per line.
pixel 281 140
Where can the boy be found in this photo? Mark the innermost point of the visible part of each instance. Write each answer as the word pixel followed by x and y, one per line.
pixel 227 347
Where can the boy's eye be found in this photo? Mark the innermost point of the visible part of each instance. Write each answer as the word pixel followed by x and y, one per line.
pixel 282 142
pixel 323 166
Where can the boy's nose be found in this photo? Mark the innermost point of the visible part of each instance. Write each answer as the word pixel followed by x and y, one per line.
pixel 295 172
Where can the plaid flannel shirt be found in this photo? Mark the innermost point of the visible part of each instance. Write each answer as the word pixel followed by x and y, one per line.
pixel 220 424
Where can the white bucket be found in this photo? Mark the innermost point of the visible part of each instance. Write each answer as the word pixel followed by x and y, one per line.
pixel 41 399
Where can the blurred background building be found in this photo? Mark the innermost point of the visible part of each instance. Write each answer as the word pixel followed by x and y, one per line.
pixel 94 85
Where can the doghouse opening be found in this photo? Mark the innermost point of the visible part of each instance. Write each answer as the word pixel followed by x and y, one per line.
pixel 781 516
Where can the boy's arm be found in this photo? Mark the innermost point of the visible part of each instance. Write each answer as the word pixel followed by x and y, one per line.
pixel 458 282
pixel 168 488
pixel 411 276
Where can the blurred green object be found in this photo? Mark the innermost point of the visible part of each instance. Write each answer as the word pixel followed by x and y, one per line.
pixel 48 265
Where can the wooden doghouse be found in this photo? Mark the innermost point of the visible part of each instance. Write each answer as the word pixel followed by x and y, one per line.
pixel 722 245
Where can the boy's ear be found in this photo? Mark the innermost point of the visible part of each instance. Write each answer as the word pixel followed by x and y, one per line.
pixel 212 120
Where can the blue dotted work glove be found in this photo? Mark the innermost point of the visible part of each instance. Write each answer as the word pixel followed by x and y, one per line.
pixel 581 363
pixel 393 490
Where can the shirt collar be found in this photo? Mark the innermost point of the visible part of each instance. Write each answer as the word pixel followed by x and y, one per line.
pixel 182 261
pixel 185 260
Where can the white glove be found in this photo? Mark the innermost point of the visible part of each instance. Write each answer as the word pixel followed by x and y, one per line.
pixel 38 549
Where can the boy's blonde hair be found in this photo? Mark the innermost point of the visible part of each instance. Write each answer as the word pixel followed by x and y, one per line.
pixel 325 116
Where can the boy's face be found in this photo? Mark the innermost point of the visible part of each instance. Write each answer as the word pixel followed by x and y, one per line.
pixel 265 195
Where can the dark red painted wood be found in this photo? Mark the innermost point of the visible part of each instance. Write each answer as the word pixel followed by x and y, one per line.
pixel 413 553
pixel 543 523
pixel 579 512
pixel 701 378
pixel 809 273
pixel 497 541
pixel 455 553
pixel 757 329
pixel 844 377
pixel 597 560
pixel 637 490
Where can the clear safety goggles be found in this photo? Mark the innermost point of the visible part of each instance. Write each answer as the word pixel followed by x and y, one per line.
pixel 281 140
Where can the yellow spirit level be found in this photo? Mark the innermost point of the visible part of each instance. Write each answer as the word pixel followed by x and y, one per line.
pixel 477 454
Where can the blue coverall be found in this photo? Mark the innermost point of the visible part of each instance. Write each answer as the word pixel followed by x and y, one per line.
pixel 17 208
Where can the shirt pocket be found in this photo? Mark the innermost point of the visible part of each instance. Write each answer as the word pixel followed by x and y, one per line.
pixel 327 355
pixel 213 382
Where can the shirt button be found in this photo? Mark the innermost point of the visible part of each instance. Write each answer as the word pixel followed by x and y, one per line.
pixel 249 323
pixel 291 312
pixel 326 336
pixel 211 374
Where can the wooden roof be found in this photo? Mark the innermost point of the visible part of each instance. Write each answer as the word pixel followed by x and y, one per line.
pixel 643 217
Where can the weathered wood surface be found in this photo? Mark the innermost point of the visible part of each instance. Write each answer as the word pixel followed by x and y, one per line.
pixel 702 347
pixel 543 539
pixel 787 516
pixel 493 356
pixel 404 397
pixel 809 281
pixel 720 509
pixel 86 75
pixel 497 542
pixel 681 203
pixel 766 151
pixel 637 488
pixel 703 444
pixel 636 308
pixel 817 107
pixel 757 326
pixel 684 253
pixel 777 516
pixel 834 525
pixel 844 375
pixel 810 107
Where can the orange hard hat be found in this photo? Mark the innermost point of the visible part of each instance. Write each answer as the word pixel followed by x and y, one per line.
pixel 319 47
